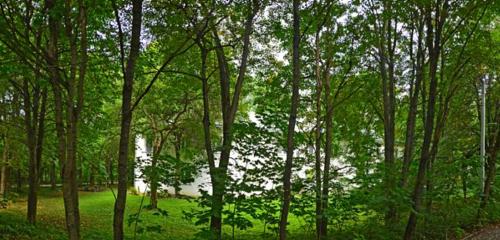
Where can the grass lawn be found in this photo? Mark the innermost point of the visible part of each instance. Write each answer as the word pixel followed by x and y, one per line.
pixel 96 210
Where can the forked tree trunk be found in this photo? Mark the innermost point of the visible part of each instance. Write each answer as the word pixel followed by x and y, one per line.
pixel 68 92
pixel 229 107
pixel 434 46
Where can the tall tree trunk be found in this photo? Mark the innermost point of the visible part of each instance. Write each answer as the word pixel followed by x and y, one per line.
pixel 440 125
pixel 328 151
pixel 126 114
pixel 70 183
pixel 41 128
pixel 291 122
pixel 206 121
pixel 68 92
pixel 34 120
pixel 412 113
pixel 31 112
pixel 317 135
pixel 71 212
pixel 386 50
pixel 434 47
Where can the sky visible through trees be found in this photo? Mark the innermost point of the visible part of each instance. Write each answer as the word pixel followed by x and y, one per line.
pixel 320 119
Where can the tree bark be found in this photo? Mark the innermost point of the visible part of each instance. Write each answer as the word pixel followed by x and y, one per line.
pixel 291 122
pixel 126 114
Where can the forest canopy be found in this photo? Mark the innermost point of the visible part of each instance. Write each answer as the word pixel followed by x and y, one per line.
pixel 249 119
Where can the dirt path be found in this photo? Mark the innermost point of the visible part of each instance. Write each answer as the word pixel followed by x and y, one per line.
pixel 489 233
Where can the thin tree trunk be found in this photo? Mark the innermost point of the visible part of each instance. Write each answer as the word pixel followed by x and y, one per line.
pixel 328 152
pixel 31 113
pixel 291 122
pixel 154 172
pixel 110 173
pixel 206 126
pixel 53 177
pixel 317 133
pixel 34 124
pixel 464 180
pixel 412 113
pixel 5 159
pixel 3 179
pixel 441 121
pixel 19 180
pixel 386 46
pixel 92 186
pixel 126 114
pixel 177 180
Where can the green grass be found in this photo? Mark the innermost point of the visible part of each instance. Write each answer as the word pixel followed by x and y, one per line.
pixel 96 210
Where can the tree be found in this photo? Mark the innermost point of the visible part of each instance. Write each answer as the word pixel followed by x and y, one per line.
pixel 128 70
pixel 228 104
pixel 291 122
pixel 433 42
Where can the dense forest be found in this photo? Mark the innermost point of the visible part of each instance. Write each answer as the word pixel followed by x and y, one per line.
pixel 317 119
